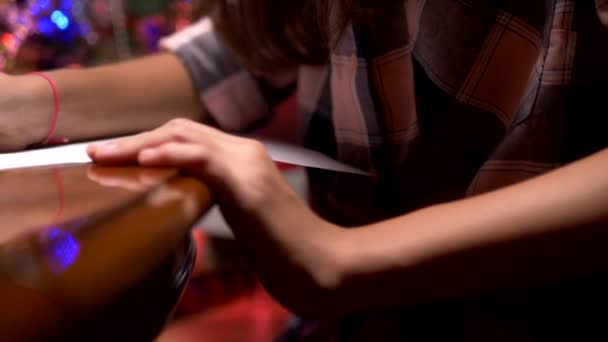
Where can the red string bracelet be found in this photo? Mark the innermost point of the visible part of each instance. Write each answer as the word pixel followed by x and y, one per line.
pixel 49 136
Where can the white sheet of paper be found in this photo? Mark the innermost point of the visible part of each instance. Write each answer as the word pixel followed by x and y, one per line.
pixel 65 154
pixel 296 155
pixel 213 223
pixel 76 154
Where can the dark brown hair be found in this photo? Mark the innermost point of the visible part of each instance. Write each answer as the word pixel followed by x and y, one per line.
pixel 271 34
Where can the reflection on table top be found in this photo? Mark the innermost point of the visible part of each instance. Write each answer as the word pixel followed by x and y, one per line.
pixel 77 240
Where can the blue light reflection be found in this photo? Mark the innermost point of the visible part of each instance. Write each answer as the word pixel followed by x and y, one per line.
pixel 63 249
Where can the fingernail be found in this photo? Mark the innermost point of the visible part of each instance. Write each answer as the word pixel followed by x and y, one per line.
pixel 106 148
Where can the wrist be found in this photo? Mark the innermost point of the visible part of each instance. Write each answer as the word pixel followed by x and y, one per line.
pixel 318 247
pixel 316 253
pixel 33 100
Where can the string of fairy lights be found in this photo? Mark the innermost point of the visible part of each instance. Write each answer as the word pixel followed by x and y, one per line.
pixel 61 21
pixel 66 22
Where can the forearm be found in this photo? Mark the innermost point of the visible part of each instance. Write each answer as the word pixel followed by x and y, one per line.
pixel 550 228
pixel 109 100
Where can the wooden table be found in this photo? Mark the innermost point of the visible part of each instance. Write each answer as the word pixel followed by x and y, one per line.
pixel 93 253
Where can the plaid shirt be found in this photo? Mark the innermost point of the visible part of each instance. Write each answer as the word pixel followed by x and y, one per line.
pixel 444 99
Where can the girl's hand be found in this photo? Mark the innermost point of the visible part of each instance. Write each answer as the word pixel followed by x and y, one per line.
pixel 238 170
pixel 293 251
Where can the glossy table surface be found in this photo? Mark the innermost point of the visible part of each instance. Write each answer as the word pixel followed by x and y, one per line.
pixel 87 251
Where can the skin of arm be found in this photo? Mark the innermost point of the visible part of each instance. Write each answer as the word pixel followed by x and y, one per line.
pixel 103 101
pixel 551 228
pixel 547 229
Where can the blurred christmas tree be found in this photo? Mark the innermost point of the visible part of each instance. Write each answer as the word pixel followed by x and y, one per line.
pixel 47 34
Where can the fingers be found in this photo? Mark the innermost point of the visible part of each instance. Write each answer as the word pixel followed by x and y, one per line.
pixel 191 157
pixel 173 154
pixel 179 144
pixel 126 150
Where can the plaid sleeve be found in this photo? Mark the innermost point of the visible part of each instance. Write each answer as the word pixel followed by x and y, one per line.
pixel 234 97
